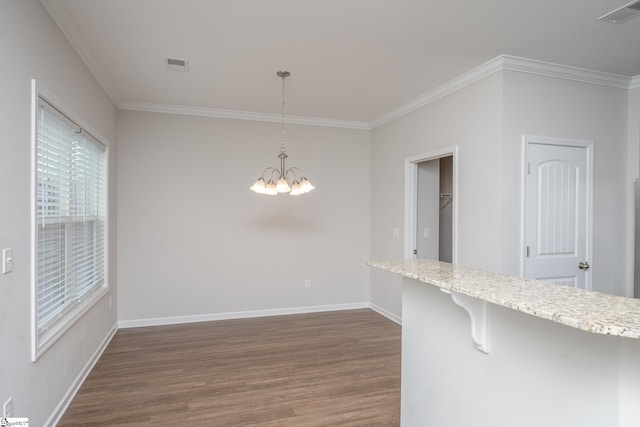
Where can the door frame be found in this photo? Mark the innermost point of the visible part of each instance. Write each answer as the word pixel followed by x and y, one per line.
pixel 563 142
pixel 411 199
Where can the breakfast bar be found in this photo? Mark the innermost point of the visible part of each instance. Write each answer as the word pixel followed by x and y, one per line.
pixel 487 349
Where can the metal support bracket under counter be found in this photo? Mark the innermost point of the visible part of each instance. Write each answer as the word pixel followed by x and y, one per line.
pixel 479 313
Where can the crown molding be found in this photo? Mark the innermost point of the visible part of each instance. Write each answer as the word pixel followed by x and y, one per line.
pixel 62 18
pixel 548 69
pixel 454 85
pixel 65 22
pixel 510 63
pixel 243 115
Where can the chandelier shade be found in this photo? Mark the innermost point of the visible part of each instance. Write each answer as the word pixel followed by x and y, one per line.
pixel 281 180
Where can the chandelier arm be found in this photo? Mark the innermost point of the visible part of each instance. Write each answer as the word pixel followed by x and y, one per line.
pixel 273 171
pixel 291 171
pixel 265 171
pixel 269 169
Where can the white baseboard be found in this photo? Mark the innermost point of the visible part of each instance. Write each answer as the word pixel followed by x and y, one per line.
pixel 62 406
pixel 135 323
pixel 386 313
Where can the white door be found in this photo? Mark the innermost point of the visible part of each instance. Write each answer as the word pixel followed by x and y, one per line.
pixel 557 212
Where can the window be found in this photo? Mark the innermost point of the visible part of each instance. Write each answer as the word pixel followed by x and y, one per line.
pixel 69 189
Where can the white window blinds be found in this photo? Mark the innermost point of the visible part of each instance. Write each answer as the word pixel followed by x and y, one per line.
pixel 70 216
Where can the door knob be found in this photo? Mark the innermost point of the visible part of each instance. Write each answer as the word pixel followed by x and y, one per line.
pixel 583 265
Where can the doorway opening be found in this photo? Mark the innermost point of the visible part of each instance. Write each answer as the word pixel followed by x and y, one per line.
pixel 431 181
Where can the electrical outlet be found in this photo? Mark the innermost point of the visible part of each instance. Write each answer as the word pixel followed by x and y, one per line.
pixel 307 283
pixel 7 408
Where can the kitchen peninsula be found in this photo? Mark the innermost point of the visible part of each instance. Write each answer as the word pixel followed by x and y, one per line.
pixel 485 349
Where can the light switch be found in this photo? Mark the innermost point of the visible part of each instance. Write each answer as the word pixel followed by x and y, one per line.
pixel 427 232
pixel 7 260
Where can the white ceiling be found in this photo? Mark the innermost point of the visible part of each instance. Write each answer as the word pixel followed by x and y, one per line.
pixel 349 60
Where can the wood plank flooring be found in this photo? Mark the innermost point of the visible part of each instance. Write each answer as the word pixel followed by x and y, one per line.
pixel 337 368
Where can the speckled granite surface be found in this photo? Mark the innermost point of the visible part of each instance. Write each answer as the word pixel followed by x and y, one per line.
pixel 590 311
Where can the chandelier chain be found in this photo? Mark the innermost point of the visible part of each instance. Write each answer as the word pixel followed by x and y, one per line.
pixel 283 108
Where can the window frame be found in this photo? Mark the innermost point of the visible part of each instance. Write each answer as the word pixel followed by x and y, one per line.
pixel 43 340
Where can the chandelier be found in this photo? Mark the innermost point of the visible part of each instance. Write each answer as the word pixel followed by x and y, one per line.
pixel 281 180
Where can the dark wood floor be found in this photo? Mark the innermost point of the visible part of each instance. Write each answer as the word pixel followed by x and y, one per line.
pixel 323 369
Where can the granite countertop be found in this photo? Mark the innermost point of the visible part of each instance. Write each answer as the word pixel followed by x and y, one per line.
pixel 587 310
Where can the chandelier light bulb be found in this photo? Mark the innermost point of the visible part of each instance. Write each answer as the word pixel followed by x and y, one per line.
pixel 270 189
pixel 295 188
pixel 259 186
pixel 305 185
pixel 283 186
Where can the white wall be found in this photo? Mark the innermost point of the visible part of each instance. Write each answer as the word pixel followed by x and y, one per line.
pixel 193 240
pixel 487 120
pixel 629 373
pixel 37 49
pixel 545 106
pixel 538 373
pixel 471 119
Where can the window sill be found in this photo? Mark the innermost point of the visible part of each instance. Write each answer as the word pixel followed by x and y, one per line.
pixel 41 342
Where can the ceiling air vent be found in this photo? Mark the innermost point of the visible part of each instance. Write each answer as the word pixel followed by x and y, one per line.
pixel 623 13
pixel 177 64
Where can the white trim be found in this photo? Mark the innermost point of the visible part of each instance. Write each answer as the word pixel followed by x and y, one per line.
pixel 242 115
pixel 567 142
pixel 523 202
pixel 157 321
pixel 446 89
pixel 500 63
pixel 68 112
pixel 548 69
pixel 42 342
pixel 386 313
pixel 411 196
pixel 32 221
pixel 66 23
pixel 543 140
pixel 64 403
pixel 509 63
pixel 410 203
